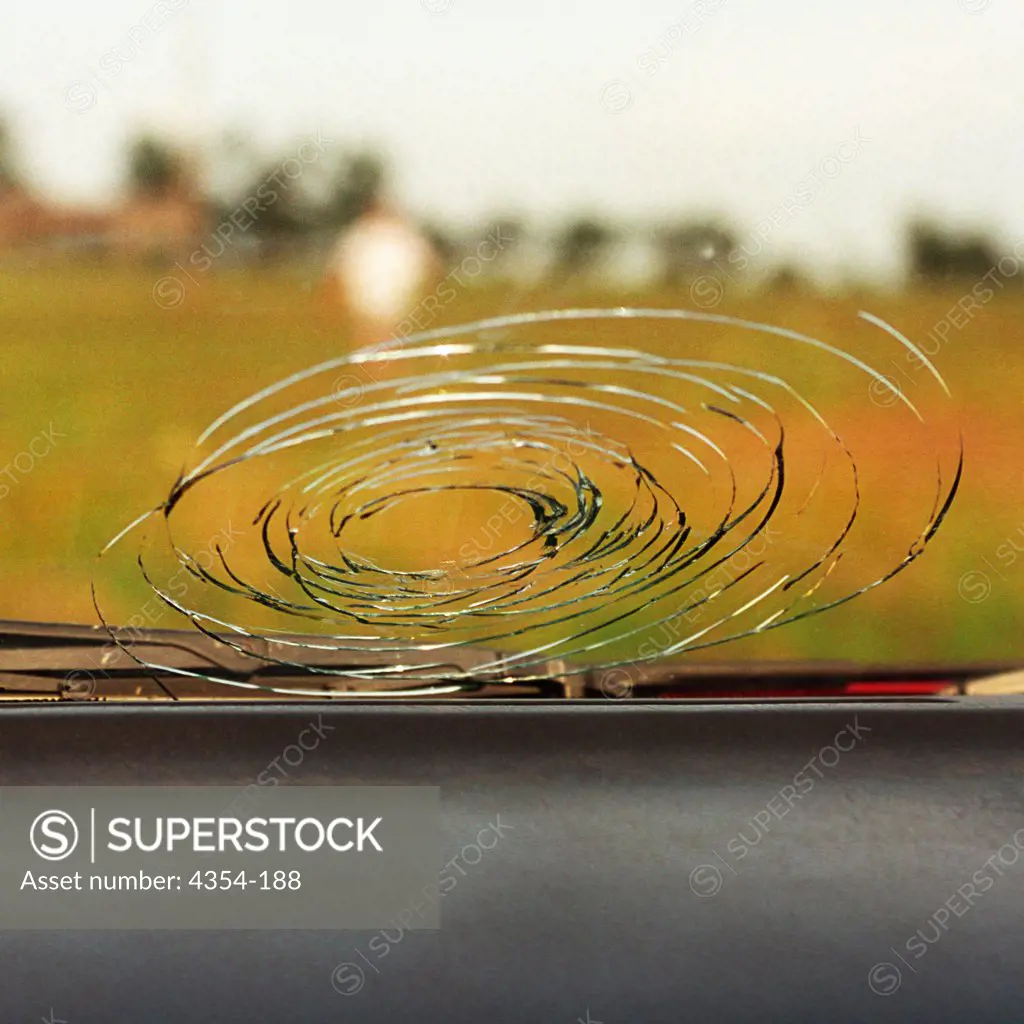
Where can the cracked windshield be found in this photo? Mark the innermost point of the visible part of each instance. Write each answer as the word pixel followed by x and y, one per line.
pixel 426 340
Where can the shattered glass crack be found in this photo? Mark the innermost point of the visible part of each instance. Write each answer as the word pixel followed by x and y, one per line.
pixel 489 500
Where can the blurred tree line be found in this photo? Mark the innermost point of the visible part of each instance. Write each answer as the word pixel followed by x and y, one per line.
pixel 939 255
pixel 336 189
pixel 326 195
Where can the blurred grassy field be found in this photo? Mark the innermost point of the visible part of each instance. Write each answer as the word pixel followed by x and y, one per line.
pixel 124 387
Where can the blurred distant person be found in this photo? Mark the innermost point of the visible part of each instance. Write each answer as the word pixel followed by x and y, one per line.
pixel 380 268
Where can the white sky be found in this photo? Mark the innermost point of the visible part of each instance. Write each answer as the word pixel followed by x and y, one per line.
pixel 495 107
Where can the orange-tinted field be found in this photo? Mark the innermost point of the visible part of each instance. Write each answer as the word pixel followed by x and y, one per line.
pixel 104 393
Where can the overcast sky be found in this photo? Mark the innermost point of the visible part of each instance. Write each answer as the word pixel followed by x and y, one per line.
pixel 551 108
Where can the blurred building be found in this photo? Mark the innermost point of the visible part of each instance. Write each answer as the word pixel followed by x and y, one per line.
pixel 149 226
pixel 142 227
pixel 28 222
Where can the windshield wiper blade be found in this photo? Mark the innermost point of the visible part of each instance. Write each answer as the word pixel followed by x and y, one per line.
pixel 78 661
pixel 48 660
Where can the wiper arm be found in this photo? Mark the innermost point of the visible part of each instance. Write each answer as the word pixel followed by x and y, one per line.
pixel 47 661
pixel 75 661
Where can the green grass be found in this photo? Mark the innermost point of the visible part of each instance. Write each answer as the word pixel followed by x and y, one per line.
pixel 129 386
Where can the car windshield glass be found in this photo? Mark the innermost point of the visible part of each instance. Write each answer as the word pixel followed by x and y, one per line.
pixel 390 346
